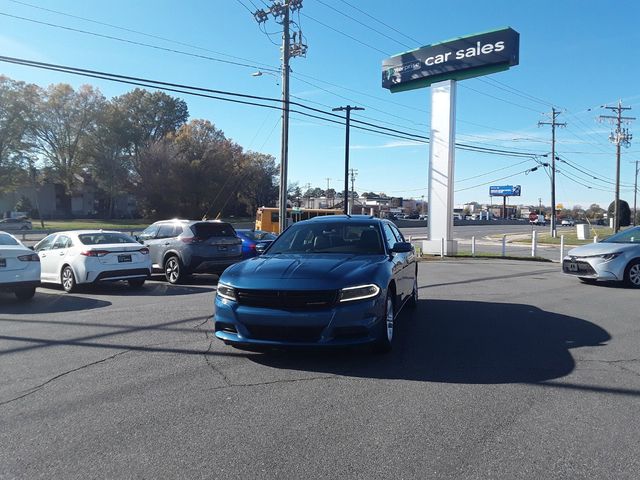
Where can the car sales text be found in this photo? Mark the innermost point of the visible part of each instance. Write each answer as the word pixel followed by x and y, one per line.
pixel 479 49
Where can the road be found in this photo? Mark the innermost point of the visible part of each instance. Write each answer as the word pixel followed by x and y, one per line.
pixel 506 370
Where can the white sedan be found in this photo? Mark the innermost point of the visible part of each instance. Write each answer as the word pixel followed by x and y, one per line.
pixel 92 256
pixel 19 267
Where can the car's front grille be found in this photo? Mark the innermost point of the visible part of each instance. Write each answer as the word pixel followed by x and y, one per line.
pixel 288 299
pixel 285 334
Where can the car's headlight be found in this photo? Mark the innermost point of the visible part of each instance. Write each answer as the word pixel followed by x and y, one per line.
pixel 227 292
pixel 609 256
pixel 360 292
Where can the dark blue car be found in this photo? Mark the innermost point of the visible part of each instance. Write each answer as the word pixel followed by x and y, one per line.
pixel 251 239
pixel 328 281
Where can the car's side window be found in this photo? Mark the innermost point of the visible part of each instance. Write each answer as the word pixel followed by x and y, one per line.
pixel 390 238
pixel 45 244
pixel 166 231
pixel 61 242
pixel 177 230
pixel 149 232
pixel 397 233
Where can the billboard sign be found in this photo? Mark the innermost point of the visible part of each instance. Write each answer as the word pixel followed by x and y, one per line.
pixel 505 191
pixel 457 59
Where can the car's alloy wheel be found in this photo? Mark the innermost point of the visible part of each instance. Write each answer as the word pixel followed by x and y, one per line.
pixel 632 274
pixel 68 280
pixel 384 342
pixel 173 270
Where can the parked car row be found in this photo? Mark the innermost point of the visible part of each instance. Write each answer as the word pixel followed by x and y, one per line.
pixel 176 248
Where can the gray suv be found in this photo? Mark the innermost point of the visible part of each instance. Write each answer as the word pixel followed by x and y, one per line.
pixel 181 247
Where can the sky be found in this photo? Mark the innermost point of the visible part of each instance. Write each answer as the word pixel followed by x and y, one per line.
pixel 575 55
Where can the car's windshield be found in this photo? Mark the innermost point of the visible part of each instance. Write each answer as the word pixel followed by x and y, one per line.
pixel 627 236
pixel 335 237
pixel 104 238
pixel 8 240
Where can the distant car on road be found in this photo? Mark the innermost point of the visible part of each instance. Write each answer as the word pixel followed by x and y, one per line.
pixel 536 219
pixel 252 238
pixel 567 222
pixel 15 224
pixel 182 247
pixel 329 281
pixel 92 256
pixel 19 267
pixel 614 258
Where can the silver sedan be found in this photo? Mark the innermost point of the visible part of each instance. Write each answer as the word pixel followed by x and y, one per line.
pixel 615 258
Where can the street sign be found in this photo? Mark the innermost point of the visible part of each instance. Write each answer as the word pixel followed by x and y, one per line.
pixel 505 191
pixel 457 59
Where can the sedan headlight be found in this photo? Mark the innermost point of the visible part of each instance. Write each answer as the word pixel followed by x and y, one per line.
pixel 610 256
pixel 360 292
pixel 226 292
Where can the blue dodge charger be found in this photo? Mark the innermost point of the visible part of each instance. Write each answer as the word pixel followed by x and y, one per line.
pixel 329 281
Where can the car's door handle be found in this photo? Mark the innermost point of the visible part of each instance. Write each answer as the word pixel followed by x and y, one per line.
pixel 62 253
pixel 168 243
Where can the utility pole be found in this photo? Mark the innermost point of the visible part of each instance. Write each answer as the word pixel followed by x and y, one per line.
pixel 635 196
pixel 280 10
pixel 354 174
pixel 554 124
pixel 347 109
pixel 620 136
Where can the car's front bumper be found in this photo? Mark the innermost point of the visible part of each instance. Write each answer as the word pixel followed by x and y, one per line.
pixel 342 325
pixel 595 268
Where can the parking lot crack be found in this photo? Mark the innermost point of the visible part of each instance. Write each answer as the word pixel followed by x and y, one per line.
pixel 37 388
pixel 207 359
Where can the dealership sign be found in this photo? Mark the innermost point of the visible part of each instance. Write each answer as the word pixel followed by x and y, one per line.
pixel 456 59
pixel 505 191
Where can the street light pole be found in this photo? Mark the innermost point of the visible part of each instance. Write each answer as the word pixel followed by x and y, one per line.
pixel 347 109
pixel 635 196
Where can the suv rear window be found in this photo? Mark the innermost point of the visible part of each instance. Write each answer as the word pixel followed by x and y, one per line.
pixel 207 230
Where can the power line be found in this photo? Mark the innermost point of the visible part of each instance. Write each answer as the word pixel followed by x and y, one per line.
pixel 497 179
pixel 134 42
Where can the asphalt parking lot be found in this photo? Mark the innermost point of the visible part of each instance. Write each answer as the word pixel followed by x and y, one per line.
pixel 506 370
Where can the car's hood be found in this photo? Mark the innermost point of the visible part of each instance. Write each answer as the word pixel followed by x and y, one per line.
pixel 601 248
pixel 321 270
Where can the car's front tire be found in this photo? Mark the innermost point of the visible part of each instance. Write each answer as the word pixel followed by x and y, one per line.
pixel 386 330
pixel 173 270
pixel 632 274
pixel 25 293
pixel 68 280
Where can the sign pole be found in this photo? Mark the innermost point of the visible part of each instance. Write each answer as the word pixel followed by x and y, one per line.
pixel 441 167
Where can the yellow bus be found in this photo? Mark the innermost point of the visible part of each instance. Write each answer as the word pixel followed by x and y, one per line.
pixel 268 218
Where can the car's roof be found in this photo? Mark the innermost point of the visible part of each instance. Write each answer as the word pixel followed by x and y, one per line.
pixel 190 222
pixel 346 219
pixel 85 232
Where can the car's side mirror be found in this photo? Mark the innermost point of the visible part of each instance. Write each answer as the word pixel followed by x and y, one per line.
pixel 402 247
pixel 32 248
pixel 260 248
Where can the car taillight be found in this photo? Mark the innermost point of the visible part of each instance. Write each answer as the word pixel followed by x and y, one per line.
pixel 252 246
pixel 144 251
pixel 32 257
pixel 191 239
pixel 94 253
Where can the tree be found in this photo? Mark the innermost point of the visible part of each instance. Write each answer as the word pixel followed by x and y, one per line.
pixel 625 213
pixel 594 212
pixel 108 149
pixel 65 121
pixel 150 117
pixel 17 101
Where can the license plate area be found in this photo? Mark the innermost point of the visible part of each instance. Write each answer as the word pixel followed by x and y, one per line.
pixel 124 258
pixel 3 262
pixel 572 267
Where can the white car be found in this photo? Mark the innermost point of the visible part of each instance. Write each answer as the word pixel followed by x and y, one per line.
pixel 19 267
pixel 92 256
pixel 567 222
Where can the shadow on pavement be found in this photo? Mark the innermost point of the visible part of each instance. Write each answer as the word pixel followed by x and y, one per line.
pixel 48 303
pixel 149 289
pixel 461 342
